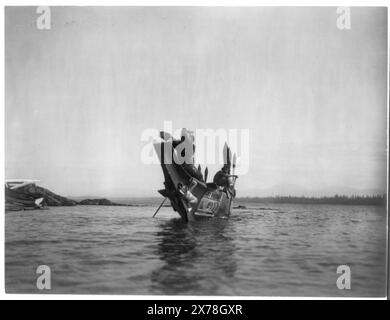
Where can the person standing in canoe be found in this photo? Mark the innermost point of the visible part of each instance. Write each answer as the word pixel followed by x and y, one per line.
pixel 185 148
pixel 223 177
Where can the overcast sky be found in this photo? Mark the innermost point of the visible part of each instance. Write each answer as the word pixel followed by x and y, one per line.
pixel 79 96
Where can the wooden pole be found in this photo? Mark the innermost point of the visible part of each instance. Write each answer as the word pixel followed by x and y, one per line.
pixel 159 207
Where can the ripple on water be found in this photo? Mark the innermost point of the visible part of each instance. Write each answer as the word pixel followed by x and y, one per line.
pixel 264 250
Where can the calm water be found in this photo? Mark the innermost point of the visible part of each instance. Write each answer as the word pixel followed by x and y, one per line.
pixel 264 250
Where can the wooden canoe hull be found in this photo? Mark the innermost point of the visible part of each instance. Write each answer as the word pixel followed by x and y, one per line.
pixel 211 201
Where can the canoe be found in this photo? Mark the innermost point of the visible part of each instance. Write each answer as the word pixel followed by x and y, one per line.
pixel 190 197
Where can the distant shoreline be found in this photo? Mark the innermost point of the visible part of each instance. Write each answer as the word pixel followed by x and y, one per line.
pixel 25 198
pixel 376 200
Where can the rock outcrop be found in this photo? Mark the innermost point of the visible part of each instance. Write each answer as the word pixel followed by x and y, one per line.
pixel 24 198
pixel 99 202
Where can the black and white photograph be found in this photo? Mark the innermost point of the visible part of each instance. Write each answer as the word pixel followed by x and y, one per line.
pixel 196 151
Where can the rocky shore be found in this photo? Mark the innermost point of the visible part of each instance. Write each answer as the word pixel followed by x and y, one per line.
pixel 25 198
pixel 99 202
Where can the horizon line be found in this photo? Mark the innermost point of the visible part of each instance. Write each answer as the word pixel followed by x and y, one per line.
pixel 242 197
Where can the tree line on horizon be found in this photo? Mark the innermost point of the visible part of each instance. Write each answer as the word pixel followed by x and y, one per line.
pixel 376 200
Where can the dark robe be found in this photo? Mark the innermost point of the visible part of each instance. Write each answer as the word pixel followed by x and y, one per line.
pixel 221 179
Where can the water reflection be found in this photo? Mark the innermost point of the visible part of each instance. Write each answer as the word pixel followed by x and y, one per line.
pixel 198 258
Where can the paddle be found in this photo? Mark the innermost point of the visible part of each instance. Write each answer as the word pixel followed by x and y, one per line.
pixel 227 155
pixel 234 169
pixel 233 173
pixel 159 207
pixel 234 181
pixel 234 163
